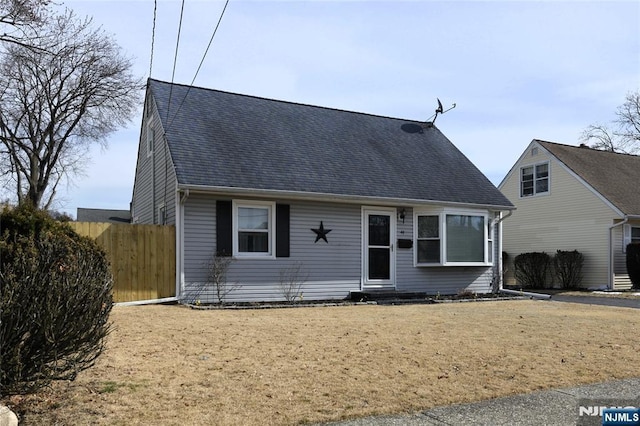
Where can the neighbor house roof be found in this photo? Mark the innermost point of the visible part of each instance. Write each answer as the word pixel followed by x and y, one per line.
pixel 220 139
pixel 103 215
pixel 615 176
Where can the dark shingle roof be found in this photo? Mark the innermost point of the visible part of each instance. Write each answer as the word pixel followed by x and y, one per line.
pixel 103 215
pixel 615 176
pixel 223 139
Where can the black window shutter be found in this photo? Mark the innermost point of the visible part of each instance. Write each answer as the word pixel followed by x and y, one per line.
pixel 224 228
pixel 282 230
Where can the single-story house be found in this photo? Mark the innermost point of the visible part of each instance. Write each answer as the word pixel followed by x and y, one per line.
pixel 575 198
pixel 103 215
pixel 357 201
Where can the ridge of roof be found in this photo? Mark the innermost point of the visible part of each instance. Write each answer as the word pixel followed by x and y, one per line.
pixel 229 140
pixel 293 103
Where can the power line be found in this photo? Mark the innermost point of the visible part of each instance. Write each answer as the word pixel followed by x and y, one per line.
pixel 215 30
pixel 175 61
pixel 210 41
pixel 153 34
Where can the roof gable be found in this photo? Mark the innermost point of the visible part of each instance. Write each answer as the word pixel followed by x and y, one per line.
pixel 614 176
pixel 221 139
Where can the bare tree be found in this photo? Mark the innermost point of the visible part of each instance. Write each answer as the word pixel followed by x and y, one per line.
pixel 625 134
pixel 19 17
pixel 56 101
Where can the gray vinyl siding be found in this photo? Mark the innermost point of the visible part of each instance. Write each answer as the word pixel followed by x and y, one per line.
pixel 440 279
pixel 332 269
pixel 155 179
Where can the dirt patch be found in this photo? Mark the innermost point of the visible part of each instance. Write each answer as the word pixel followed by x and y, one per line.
pixel 173 365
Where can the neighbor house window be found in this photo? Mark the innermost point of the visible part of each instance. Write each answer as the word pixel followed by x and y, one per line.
pixel 253 228
pixel 534 180
pixel 453 238
pixel 635 235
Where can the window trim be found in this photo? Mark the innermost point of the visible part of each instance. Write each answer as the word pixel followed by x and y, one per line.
pixel 151 139
pixel 271 231
pixel 535 179
pixel 442 217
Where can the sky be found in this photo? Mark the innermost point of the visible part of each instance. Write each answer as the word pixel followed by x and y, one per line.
pixel 515 70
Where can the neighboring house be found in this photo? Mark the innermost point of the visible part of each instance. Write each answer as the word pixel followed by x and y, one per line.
pixel 575 198
pixel 103 215
pixel 360 202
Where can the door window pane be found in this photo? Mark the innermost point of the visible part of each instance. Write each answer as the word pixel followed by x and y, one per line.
pixel 379 264
pixel 379 230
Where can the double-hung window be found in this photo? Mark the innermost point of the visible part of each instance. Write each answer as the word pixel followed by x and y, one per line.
pixel 534 179
pixel 453 238
pixel 254 224
pixel 635 235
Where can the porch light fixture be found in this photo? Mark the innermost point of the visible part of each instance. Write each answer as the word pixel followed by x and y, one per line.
pixel 402 214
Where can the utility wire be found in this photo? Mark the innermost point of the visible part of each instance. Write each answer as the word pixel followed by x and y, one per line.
pixel 175 61
pixel 215 30
pixel 153 34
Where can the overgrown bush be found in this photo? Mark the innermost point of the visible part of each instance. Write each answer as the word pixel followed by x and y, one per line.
pixel 567 266
pixel 633 264
pixel 531 269
pixel 55 300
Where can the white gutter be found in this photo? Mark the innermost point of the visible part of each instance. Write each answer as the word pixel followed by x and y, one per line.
pixel 320 196
pixel 181 199
pixel 148 302
pixel 527 294
pixel 499 266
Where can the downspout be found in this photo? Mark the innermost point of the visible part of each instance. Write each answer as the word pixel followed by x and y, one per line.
pixel 183 194
pixel 610 280
pixel 499 263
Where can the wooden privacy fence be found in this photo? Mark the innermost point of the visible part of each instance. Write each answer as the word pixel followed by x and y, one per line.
pixel 142 258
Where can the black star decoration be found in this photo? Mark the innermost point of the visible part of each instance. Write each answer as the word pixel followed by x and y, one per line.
pixel 321 233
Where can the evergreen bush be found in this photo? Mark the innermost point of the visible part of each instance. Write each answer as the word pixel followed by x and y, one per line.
pixel 55 300
pixel 531 269
pixel 568 268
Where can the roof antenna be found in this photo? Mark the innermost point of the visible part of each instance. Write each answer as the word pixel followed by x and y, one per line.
pixel 439 110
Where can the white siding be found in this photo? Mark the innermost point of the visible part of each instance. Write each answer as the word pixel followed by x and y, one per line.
pixel 570 217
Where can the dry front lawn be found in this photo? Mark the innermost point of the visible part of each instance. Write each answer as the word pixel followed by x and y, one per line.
pixel 171 365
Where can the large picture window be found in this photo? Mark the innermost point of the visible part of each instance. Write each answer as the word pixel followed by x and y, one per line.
pixel 534 180
pixel 453 238
pixel 253 229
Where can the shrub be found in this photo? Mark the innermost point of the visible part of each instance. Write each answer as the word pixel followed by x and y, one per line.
pixel 217 269
pixel 291 280
pixel 531 269
pixel 568 268
pixel 633 264
pixel 55 300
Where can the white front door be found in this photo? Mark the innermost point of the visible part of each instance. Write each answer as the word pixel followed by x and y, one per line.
pixel 378 247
